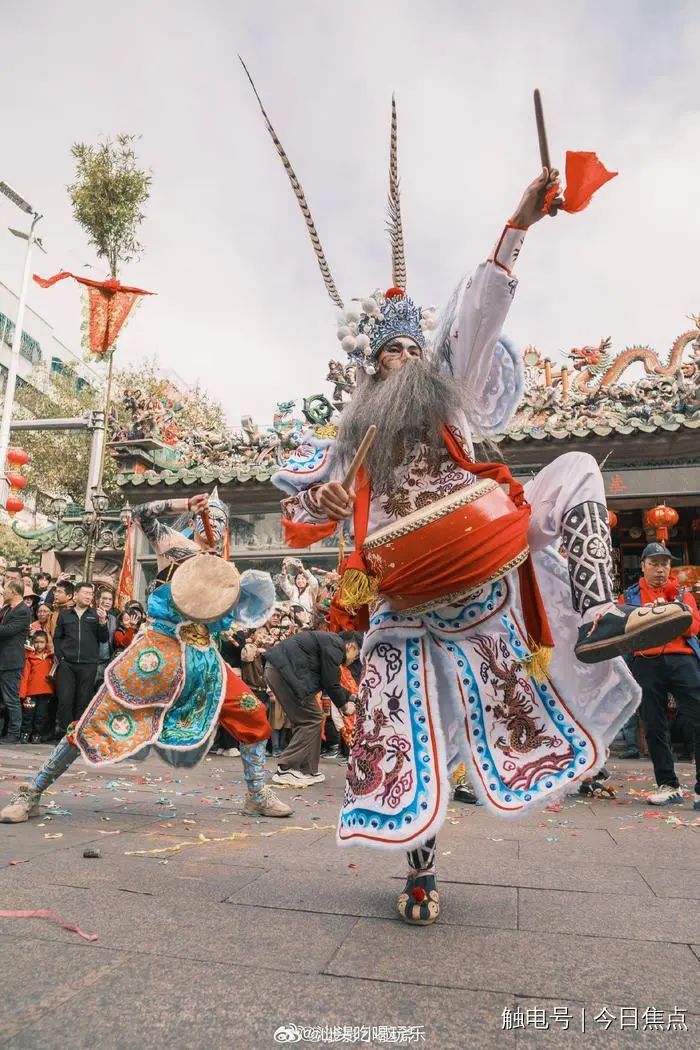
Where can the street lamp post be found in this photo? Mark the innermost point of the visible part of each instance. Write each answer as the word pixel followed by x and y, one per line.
pixel 13 196
pixel 100 502
pixel 88 530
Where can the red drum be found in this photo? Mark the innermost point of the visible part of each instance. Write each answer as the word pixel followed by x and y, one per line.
pixel 444 552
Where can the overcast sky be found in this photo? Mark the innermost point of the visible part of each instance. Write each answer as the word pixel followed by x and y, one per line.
pixel 241 307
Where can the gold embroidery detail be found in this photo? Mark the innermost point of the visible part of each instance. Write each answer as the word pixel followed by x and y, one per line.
pixel 195 634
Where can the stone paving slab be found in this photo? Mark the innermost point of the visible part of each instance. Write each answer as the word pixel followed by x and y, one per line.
pixel 601 1025
pixel 71 870
pixel 307 931
pixel 155 925
pixel 610 915
pixel 364 895
pixel 673 882
pixel 523 962
pixel 191 1005
pixel 591 878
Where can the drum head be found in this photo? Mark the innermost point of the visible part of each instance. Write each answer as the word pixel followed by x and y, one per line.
pixel 205 588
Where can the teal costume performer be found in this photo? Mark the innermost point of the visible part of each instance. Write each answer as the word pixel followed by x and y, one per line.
pixel 170 687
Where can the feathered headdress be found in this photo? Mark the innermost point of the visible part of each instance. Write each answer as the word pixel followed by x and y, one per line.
pixel 366 325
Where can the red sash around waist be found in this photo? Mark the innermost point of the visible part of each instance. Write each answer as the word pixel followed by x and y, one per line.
pixel 434 572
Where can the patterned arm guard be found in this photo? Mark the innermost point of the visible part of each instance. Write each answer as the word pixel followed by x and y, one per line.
pixel 166 542
pixel 307 467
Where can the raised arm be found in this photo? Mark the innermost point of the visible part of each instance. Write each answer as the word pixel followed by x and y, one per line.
pixel 468 339
pixel 168 544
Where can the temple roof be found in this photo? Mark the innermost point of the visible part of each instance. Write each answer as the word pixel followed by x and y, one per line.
pixel 583 398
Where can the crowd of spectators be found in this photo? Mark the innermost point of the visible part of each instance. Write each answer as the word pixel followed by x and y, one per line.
pixel 57 636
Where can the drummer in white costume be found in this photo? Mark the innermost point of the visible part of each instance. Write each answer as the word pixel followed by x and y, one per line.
pixel 456 683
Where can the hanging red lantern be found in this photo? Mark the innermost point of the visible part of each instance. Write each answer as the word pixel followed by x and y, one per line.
pixel 661 519
pixel 612 519
pixel 16 481
pixel 14 505
pixel 18 457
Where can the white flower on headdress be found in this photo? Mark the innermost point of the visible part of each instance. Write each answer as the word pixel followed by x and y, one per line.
pixel 343 331
pixel 428 320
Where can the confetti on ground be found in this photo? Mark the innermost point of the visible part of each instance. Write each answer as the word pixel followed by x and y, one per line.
pixel 57 835
pixel 203 840
pixel 42 913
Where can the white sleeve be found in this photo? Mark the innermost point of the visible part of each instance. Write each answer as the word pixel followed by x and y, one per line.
pixel 470 341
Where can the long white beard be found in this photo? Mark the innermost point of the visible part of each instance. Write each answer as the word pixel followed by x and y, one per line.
pixel 410 406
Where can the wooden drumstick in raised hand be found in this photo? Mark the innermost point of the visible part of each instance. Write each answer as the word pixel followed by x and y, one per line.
pixel 208 530
pixel 542 131
pixel 359 458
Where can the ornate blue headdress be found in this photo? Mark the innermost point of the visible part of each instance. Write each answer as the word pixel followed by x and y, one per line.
pixel 367 324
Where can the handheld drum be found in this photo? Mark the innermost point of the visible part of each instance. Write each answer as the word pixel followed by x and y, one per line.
pixel 205 588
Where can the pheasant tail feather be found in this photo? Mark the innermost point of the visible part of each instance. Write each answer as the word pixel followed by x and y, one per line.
pixel 394 226
pixel 299 193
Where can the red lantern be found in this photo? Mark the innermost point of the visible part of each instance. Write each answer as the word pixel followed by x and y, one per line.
pixel 661 520
pixel 16 481
pixel 14 505
pixel 18 457
pixel 612 519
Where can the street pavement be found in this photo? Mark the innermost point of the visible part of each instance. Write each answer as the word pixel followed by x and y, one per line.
pixel 578 923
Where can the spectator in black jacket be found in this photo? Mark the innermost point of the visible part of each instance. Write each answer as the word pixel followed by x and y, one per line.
pixel 76 641
pixel 14 632
pixel 297 670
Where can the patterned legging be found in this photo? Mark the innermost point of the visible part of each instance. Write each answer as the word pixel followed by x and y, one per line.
pixel 423 857
pixel 64 755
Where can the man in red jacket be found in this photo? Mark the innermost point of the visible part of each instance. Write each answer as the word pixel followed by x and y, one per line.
pixel 672 668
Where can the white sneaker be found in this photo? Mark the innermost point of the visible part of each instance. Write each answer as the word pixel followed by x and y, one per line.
pixel 270 806
pixel 230 752
pixel 315 778
pixel 665 796
pixel 23 805
pixel 291 777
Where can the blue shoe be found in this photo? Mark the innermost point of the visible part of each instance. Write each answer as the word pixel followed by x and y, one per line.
pixel 630 628
pixel 696 801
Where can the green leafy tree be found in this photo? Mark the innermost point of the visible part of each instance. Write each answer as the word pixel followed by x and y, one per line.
pixel 107 195
pixel 60 458
pixel 13 548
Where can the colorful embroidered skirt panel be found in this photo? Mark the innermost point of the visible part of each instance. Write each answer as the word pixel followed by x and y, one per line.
pixel 158 691
pixel 451 687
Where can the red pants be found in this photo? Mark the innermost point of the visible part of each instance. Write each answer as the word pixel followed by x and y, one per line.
pixel 242 714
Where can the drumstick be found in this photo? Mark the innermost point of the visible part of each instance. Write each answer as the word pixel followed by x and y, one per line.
pixel 359 458
pixel 208 531
pixel 541 131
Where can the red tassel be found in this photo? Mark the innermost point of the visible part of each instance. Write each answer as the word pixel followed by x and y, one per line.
pixel 418 894
pixel 297 534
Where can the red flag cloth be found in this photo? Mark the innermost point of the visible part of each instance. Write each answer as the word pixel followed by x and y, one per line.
pixel 108 306
pixel 585 174
pixel 125 587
